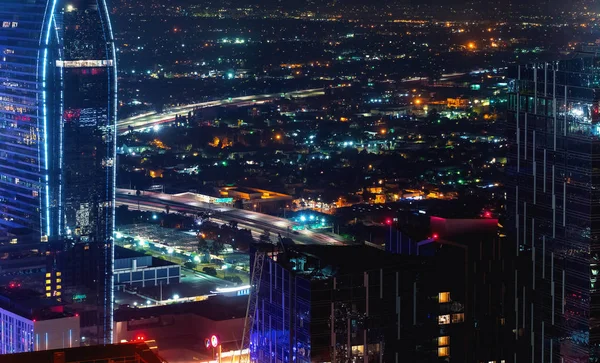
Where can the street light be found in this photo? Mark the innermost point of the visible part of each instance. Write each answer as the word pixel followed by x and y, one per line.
pixel 175 297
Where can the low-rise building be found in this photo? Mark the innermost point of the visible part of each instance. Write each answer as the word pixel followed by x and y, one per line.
pixel 136 269
pixel 132 352
pixel 31 323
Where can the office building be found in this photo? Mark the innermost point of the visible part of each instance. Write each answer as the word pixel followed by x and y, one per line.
pixel 474 264
pixel 58 134
pixel 180 330
pixel 344 303
pixel 553 207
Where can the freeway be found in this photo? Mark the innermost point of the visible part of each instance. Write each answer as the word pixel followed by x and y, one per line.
pixel 187 203
pixel 152 118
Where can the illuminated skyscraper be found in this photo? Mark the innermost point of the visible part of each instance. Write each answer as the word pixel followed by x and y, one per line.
pixel 58 106
pixel 553 209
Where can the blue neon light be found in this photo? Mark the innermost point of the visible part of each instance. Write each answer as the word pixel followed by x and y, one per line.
pixel 45 116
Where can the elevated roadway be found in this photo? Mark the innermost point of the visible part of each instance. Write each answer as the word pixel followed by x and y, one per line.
pixel 187 203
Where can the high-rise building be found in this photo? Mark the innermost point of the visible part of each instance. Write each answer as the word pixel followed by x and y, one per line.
pixel 553 208
pixel 58 133
pixel 473 267
pixel 353 303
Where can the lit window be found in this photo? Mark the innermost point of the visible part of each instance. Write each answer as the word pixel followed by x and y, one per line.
pixel 445 340
pixel 444 297
pixel 48 274
pixel 58 287
pixel 47 294
pixel 458 318
pixel 48 288
pixel 58 281
pixel 502 321
pixel 444 319
pixel 47 282
pixel 58 273
pixel 443 351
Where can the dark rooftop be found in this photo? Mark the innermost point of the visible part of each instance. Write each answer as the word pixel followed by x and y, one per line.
pixel 122 252
pixel 31 304
pixel 351 259
pixel 97 352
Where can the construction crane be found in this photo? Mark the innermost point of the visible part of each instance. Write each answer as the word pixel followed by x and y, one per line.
pixel 255 279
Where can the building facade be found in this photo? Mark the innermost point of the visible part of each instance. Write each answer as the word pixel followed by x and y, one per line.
pixel 58 132
pixel 351 303
pixel 134 269
pixel 553 208
pixel 29 322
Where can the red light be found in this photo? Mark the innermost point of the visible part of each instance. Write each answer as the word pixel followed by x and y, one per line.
pixel 12 284
pixel 435 236
pixel 487 214
pixel 140 338
pixel 76 314
pixel 388 222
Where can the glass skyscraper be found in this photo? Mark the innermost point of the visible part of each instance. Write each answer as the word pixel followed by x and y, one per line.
pixel 553 208
pixel 58 85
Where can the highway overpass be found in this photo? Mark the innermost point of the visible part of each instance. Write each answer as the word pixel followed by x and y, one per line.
pixel 187 203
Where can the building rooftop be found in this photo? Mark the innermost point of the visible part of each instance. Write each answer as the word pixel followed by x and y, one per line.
pixel 322 261
pixel 92 353
pixel 31 304
pixel 122 252
pixel 215 308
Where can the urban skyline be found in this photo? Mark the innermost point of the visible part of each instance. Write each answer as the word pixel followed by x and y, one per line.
pixel 318 181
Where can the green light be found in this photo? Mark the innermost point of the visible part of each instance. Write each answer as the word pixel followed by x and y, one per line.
pixel 224 163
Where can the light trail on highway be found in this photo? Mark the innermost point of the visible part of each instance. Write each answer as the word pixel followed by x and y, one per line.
pixel 151 119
